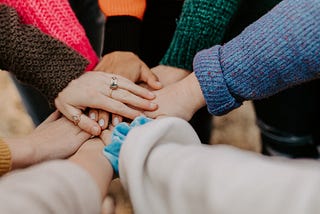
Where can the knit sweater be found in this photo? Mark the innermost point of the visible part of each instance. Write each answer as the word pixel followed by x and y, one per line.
pixel 202 24
pixel 36 58
pixel 5 158
pixel 281 49
pixel 56 18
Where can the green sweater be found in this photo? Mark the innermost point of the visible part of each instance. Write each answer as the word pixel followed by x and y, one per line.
pixel 205 23
pixel 201 25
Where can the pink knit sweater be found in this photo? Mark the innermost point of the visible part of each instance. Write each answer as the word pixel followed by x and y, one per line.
pixel 56 18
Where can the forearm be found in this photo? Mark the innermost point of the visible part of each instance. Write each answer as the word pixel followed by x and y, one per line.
pixel 169 171
pixel 96 165
pixel 36 58
pixel 201 25
pixel 50 187
pixel 281 49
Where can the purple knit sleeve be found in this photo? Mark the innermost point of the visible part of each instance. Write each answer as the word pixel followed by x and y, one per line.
pixel 278 51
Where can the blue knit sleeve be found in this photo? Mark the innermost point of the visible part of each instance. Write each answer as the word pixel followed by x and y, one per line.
pixel 278 51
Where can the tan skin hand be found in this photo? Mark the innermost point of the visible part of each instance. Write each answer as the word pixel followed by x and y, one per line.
pixel 91 90
pixel 130 66
pixel 181 99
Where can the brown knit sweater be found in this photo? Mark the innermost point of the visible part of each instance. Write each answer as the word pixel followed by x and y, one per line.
pixel 35 58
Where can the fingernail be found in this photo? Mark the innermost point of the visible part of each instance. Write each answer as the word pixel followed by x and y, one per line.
pixel 159 84
pixel 101 122
pixel 95 130
pixel 115 121
pixel 152 94
pixel 153 105
pixel 92 116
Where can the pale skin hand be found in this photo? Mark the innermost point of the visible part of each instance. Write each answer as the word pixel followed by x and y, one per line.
pixel 91 159
pixel 55 138
pixel 181 99
pixel 92 90
pixel 130 66
pixel 168 74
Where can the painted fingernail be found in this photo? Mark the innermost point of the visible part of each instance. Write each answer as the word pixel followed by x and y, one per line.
pixel 153 105
pixel 101 122
pixel 92 116
pixel 159 84
pixel 95 130
pixel 115 121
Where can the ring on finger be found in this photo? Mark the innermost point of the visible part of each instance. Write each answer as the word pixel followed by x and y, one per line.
pixel 76 119
pixel 110 92
pixel 113 83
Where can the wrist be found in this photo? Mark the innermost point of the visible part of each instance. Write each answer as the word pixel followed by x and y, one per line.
pixel 22 153
pixel 193 90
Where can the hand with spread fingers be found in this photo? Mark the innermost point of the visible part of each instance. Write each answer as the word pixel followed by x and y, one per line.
pixel 103 91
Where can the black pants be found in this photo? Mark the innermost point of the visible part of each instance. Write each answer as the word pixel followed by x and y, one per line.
pixel 91 18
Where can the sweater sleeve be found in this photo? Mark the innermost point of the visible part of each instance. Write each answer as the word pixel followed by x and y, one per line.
pixel 202 24
pixel 5 158
pixel 165 169
pixel 36 58
pixel 51 187
pixel 123 24
pixel 278 51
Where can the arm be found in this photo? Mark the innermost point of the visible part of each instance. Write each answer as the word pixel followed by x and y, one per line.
pixel 77 185
pixel 279 50
pixel 55 138
pixel 165 169
pixel 56 19
pixel 202 24
pixel 36 58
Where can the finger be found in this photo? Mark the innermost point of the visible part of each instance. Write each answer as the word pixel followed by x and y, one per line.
pixel 84 122
pixel 100 101
pixel 106 136
pixel 131 99
pixel 89 125
pixel 150 78
pixel 93 114
pixel 52 117
pixel 103 119
pixel 116 119
pixel 135 89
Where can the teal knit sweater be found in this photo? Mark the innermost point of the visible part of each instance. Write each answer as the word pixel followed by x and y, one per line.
pixel 201 25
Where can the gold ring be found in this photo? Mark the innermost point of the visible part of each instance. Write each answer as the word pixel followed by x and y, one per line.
pixel 110 92
pixel 76 119
pixel 113 83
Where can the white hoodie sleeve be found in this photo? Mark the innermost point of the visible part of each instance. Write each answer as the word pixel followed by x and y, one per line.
pixel 165 169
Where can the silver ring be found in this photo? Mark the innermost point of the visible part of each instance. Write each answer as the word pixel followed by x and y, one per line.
pixel 114 83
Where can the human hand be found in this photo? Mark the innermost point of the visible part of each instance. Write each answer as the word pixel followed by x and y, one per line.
pixel 168 74
pixel 103 118
pixel 91 158
pixel 181 99
pixel 55 138
pixel 130 66
pixel 93 90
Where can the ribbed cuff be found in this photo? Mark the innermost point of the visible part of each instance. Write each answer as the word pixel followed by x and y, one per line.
pixel 5 158
pixel 135 8
pixel 202 24
pixel 208 70
pixel 122 33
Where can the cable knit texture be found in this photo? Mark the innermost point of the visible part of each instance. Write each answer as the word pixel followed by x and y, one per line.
pixel 133 8
pixel 56 18
pixel 5 158
pixel 36 58
pixel 202 24
pixel 281 49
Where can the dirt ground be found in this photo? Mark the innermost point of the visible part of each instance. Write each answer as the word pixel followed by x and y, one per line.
pixel 237 128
